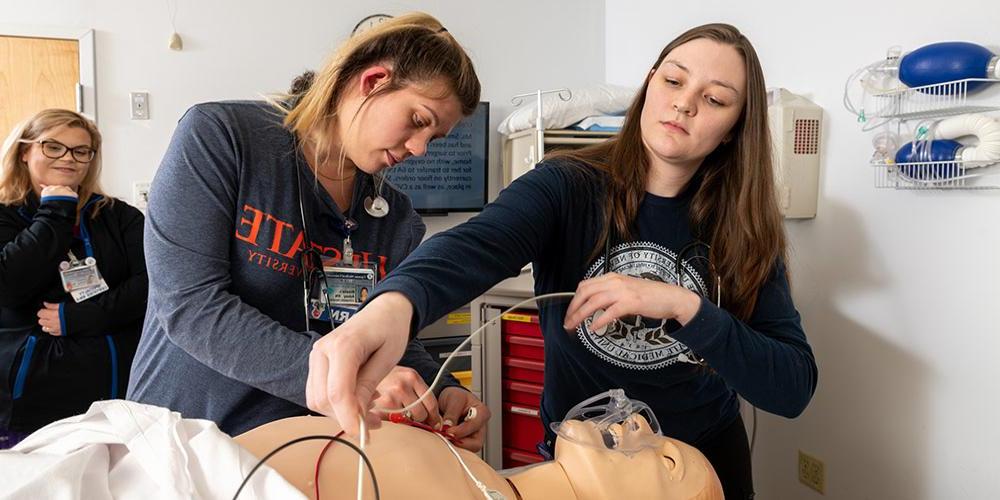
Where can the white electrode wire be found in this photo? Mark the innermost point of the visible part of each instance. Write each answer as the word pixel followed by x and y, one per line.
pixel 479 484
pixel 444 365
pixel 361 460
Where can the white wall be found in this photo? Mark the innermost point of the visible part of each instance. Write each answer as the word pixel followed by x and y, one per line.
pixel 241 49
pixel 898 289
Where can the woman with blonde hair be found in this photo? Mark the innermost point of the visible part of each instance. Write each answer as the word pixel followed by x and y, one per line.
pixel 671 236
pixel 265 218
pixel 72 276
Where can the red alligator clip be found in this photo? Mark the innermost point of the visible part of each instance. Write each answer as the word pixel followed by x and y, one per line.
pixel 399 418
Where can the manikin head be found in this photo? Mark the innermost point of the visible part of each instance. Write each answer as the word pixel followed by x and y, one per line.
pixel 652 463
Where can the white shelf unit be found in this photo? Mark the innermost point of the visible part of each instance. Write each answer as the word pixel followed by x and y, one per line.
pixel 519 153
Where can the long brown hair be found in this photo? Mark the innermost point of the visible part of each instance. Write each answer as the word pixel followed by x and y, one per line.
pixel 15 180
pixel 415 46
pixel 734 207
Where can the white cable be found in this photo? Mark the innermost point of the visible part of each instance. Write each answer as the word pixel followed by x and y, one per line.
pixel 361 460
pixel 479 484
pixel 444 365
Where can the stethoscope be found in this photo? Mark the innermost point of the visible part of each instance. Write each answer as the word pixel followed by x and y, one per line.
pixel 377 207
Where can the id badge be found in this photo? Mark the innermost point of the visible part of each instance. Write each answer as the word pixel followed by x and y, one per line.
pixel 79 275
pixel 337 314
pixel 82 279
pixel 349 286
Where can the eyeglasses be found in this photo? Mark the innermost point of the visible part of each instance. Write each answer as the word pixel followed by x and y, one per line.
pixel 54 149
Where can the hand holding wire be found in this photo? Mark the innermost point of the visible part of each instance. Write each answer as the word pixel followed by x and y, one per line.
pixel 346 366
pixel 403 386
pixel 465 417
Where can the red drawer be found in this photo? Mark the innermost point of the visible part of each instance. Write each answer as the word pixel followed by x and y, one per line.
pixel 524 370
pixel 522 393
pixel 522 427
pixel 521 323
pixel 517 458
pixel 521 346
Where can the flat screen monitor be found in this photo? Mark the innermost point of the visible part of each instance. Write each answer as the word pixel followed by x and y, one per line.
pixel 451 176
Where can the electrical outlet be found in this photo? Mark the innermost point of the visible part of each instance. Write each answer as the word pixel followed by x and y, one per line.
pixel 140 105
pixel 812 472
pixel 140 195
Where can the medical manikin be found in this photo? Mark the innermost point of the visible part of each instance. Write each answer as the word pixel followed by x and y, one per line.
pixel 603 451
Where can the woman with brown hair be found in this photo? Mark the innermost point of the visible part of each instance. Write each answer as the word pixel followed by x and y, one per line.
pixel 266 218
pixel 72 276
pixel 683 196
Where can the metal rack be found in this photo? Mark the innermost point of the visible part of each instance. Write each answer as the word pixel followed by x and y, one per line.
pixel 934 175
pixel 928 103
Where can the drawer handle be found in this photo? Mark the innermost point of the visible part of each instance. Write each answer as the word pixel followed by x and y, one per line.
pixel 529 341
pixel 459 354
pixel 531 412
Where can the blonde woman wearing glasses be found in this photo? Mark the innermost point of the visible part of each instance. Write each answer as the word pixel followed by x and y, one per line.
pixel 72 276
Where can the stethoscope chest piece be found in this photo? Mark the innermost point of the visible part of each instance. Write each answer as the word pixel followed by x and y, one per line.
pixel 376 207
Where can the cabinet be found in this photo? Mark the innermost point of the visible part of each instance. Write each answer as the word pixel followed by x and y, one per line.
pixel 520 149
pixel 444 336
pixel 508 364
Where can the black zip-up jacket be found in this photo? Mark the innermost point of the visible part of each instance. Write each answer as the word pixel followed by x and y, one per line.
pixel 44 378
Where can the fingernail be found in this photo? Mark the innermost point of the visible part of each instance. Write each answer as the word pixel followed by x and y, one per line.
pixel 448 423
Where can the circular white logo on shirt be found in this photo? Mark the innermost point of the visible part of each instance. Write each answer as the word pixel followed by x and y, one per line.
pixel 633 341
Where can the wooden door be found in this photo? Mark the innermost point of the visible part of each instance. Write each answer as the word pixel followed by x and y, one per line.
pixel 35 74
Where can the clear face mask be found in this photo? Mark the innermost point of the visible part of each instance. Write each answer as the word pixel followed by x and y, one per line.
pixel 621 422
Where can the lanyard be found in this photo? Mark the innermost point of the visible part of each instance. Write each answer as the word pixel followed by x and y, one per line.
pixel 346 227
pixel 85 235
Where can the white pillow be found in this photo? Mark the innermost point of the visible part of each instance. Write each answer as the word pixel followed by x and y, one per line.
pixel 603 99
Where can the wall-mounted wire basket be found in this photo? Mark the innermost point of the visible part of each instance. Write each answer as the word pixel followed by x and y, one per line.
pixel 930 101
pixel 935 175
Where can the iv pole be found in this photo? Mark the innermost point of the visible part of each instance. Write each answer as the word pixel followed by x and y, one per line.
pixel 563 93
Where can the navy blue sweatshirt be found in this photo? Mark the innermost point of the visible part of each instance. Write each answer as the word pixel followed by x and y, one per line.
pixel 552 217
pixel 225 336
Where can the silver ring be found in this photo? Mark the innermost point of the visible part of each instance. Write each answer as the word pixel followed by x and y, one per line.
pixel 471 413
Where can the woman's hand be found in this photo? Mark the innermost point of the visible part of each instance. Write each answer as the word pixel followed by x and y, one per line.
pixel 470 414
pixel 48 318
pixel 57 191
pixel 403 386
pixel 346 365
pixel 619 295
